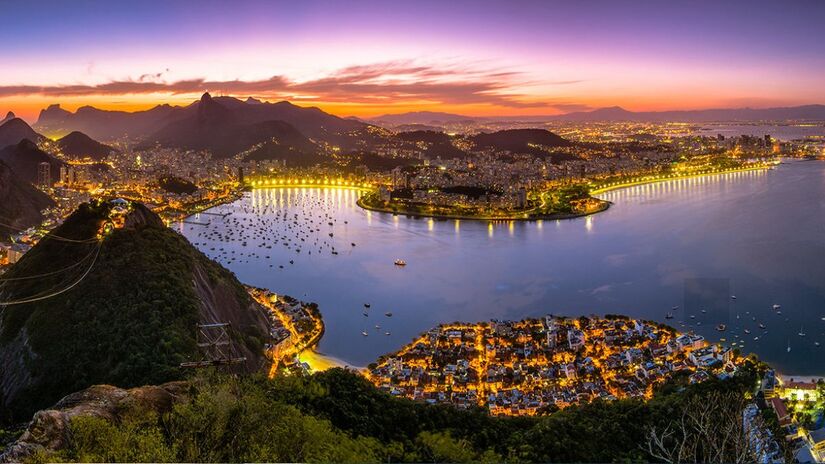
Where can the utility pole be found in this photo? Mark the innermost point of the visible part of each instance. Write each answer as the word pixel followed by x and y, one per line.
pixel 216 347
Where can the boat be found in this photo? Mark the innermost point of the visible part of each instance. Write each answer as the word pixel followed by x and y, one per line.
pixel 388 314
pixel 776 306
pixel 721 327
pixel 762 326
pixel 366 305
pixel 801 332
pixel 366 314
pixel 669 316
pixel 364 333
pixel 789 346
pixel 704 311
pixel 756 339
pixel 387 334
pixel 816 343
pixel 733 297
pixel 400 262
pixel 747 331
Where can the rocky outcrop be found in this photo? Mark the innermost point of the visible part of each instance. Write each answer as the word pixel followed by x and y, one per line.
pixel 130 316
pixel 50 429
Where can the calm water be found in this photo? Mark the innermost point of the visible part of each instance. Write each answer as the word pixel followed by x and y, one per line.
pixel 785 132
pixel 692 243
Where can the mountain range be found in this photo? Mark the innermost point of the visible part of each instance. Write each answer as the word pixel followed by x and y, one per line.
pixel 420 117
pixel 228 126
pixel 152 124
pixel 616 113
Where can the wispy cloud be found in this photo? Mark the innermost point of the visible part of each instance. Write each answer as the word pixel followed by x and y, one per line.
pixel 380 83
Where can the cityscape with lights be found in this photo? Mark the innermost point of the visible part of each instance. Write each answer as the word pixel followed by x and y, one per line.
pixel 487 231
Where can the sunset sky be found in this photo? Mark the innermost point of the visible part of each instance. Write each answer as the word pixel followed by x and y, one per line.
pixel 373 57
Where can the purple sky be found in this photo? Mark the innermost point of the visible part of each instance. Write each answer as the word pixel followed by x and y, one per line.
pixel 363 58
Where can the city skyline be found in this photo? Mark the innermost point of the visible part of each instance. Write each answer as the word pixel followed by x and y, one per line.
pixel 370 58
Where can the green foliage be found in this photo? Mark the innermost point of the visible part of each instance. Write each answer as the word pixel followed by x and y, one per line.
pixel 339 416
pixel 130 322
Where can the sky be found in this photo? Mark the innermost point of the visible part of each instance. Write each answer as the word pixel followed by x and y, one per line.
pixel 366 58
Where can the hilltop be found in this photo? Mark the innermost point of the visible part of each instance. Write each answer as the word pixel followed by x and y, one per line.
pixel 15 130
pixel 128 312
pixel 79 145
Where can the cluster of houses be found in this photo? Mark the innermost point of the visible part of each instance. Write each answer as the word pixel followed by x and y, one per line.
pixel 792 400
pixel 524 367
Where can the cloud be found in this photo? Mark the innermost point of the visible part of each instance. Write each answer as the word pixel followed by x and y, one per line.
pixel 380 83
pixel 571 107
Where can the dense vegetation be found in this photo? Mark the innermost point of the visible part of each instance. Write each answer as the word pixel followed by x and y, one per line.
pixel 338 415
pixel 129 322
pixel 177 185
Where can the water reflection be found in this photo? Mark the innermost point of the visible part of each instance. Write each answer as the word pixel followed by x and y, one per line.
pixel 759 231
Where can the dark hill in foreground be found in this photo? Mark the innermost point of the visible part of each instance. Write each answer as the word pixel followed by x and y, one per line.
pixel 338 416
pixel 130 318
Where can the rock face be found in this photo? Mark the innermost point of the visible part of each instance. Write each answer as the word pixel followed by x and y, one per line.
pixel 49 430
pixel 9 117
pixel 128 315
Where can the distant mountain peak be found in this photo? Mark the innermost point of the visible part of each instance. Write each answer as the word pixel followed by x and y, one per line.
pixel 206 97
pixel 9 115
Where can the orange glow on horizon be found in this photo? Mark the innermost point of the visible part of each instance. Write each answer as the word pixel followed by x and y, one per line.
pixel 29 107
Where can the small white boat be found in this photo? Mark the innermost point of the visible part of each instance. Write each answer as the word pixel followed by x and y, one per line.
pixel 776 306
pixel 733 297
pixel 400 262
pixel 364 333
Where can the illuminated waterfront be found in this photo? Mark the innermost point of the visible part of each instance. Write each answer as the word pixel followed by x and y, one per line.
pixel 687 243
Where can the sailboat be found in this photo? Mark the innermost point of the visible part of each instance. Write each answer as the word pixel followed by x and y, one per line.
pixel 789 346
pixel 801 332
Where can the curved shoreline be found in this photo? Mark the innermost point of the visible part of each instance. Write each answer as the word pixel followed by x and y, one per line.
pixel 605 205
pixel 691 176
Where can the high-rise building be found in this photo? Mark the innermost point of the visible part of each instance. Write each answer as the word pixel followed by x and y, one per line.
pixel 65 174
pixel 44 175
